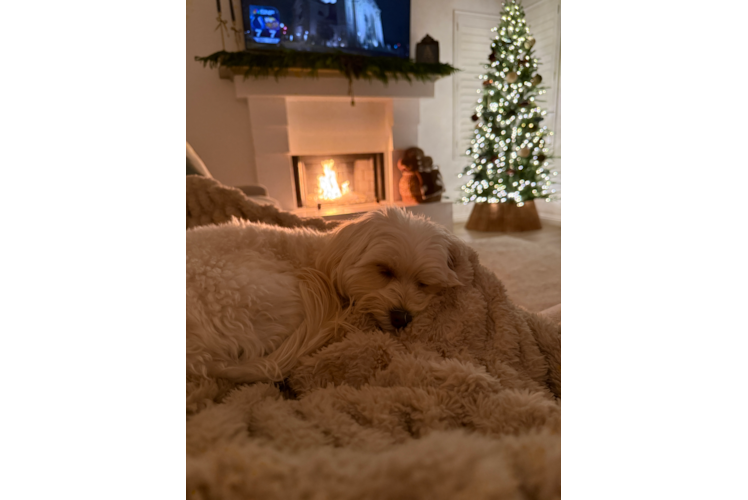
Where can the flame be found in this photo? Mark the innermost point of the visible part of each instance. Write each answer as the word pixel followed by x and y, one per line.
pixel 328 183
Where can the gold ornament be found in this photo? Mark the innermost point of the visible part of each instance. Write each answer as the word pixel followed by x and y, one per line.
pixel 524 152
pixel 536 80
pixel 511 77
pixel 529 42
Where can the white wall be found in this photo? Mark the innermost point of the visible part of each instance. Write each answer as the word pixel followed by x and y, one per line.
pixel 436 18
pixel 336 127
pixel 217 122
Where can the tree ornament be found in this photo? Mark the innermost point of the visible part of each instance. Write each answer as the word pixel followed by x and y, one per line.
pixel 510 172
pixel 486 83
pixel 529 42
pixel 492 57
pixel 524 152
pixel 511 77
pixel 474 117
pixel 524 104
pixel 536 80
pixel 541 157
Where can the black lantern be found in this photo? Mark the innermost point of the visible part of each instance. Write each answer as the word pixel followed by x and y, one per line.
pixel 427 50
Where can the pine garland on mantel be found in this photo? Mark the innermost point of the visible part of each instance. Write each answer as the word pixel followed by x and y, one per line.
pixel 278 62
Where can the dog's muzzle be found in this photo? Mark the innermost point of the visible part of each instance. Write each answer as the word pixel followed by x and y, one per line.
pixel 400 318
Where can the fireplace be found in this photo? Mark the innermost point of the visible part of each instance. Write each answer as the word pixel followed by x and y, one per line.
pixel 347 179
pixel 296 123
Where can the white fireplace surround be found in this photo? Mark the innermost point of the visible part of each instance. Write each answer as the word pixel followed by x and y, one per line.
pixel 296 116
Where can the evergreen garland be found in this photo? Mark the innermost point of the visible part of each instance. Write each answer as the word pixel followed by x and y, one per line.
pixel 277 62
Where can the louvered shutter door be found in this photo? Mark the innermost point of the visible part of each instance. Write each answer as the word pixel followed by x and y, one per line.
pixel 544 20
pixel 472 44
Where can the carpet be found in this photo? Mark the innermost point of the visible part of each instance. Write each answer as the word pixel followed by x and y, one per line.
pixel 530 270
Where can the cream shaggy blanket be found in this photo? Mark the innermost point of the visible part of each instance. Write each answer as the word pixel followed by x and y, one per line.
pixel 466 406
pixel 210 202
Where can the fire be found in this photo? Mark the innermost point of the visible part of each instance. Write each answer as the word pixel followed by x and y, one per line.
pixel 328 183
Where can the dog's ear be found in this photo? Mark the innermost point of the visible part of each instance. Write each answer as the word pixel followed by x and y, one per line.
pixel 458 262
pixel 451 260
pixel 347 243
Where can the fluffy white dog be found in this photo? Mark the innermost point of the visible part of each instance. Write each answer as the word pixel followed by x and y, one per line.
pixel 259 297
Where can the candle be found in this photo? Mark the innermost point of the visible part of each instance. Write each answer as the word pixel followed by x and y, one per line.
pixel 231 5
pixel 218 4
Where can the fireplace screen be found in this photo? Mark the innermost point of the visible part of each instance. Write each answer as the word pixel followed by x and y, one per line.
pixel 339 179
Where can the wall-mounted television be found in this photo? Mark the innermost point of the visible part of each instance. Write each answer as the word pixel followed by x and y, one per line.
pixel 374 27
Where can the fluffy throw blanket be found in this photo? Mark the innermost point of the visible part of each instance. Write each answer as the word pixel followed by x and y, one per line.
pixel 210 202
pixel 465 406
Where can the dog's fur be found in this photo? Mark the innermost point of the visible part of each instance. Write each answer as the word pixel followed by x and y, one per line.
pixel 259 297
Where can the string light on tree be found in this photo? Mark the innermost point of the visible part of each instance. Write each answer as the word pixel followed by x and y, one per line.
pixel 509 139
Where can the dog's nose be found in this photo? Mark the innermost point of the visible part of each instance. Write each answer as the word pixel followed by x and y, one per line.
pixel 400 318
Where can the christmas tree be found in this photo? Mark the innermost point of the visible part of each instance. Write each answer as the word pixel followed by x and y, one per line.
pixel 509 157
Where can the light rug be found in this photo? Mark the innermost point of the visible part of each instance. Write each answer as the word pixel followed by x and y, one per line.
pixel 530 271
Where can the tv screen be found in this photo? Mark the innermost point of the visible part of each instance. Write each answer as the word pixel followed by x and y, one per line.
pixel 374 27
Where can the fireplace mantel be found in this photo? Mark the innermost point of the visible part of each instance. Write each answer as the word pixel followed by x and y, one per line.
pixel 329 84
pixel 297 115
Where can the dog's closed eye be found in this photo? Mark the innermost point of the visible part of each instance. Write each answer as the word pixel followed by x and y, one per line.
pixel 386 271
pixel 427 285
